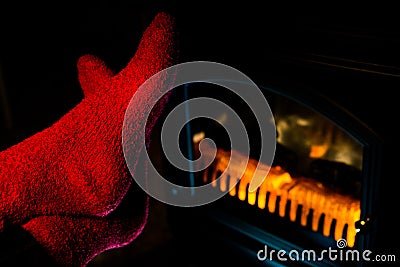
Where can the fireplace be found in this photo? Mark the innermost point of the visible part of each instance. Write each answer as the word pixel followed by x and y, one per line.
pixel 327 182
pixel 317 193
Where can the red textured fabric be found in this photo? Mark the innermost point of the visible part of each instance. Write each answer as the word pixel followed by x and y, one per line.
pixel 65 183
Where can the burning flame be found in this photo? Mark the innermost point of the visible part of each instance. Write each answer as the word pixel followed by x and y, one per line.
pixel 337 211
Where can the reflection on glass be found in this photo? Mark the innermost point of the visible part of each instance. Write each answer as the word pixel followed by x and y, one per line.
pixel 311 135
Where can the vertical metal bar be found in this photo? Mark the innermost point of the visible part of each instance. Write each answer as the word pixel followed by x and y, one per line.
pixel 189 138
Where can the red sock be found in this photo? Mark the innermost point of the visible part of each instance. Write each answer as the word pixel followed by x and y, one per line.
pixel 76 241
pixel 66 180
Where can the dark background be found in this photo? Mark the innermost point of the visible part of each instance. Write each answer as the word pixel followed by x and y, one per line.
pixel 347 53
pixel 40 45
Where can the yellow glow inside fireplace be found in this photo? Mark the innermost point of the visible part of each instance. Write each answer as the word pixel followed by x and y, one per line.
pixel 315 183
pixel 313 189
pixel 313 196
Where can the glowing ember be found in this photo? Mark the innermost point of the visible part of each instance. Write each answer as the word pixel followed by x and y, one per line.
pixel 311 196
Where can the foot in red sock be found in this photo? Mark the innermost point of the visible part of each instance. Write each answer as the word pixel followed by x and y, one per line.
pixel 76 167
pixel 69 185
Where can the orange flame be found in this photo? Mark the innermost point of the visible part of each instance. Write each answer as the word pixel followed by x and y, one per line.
pixel 336 210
